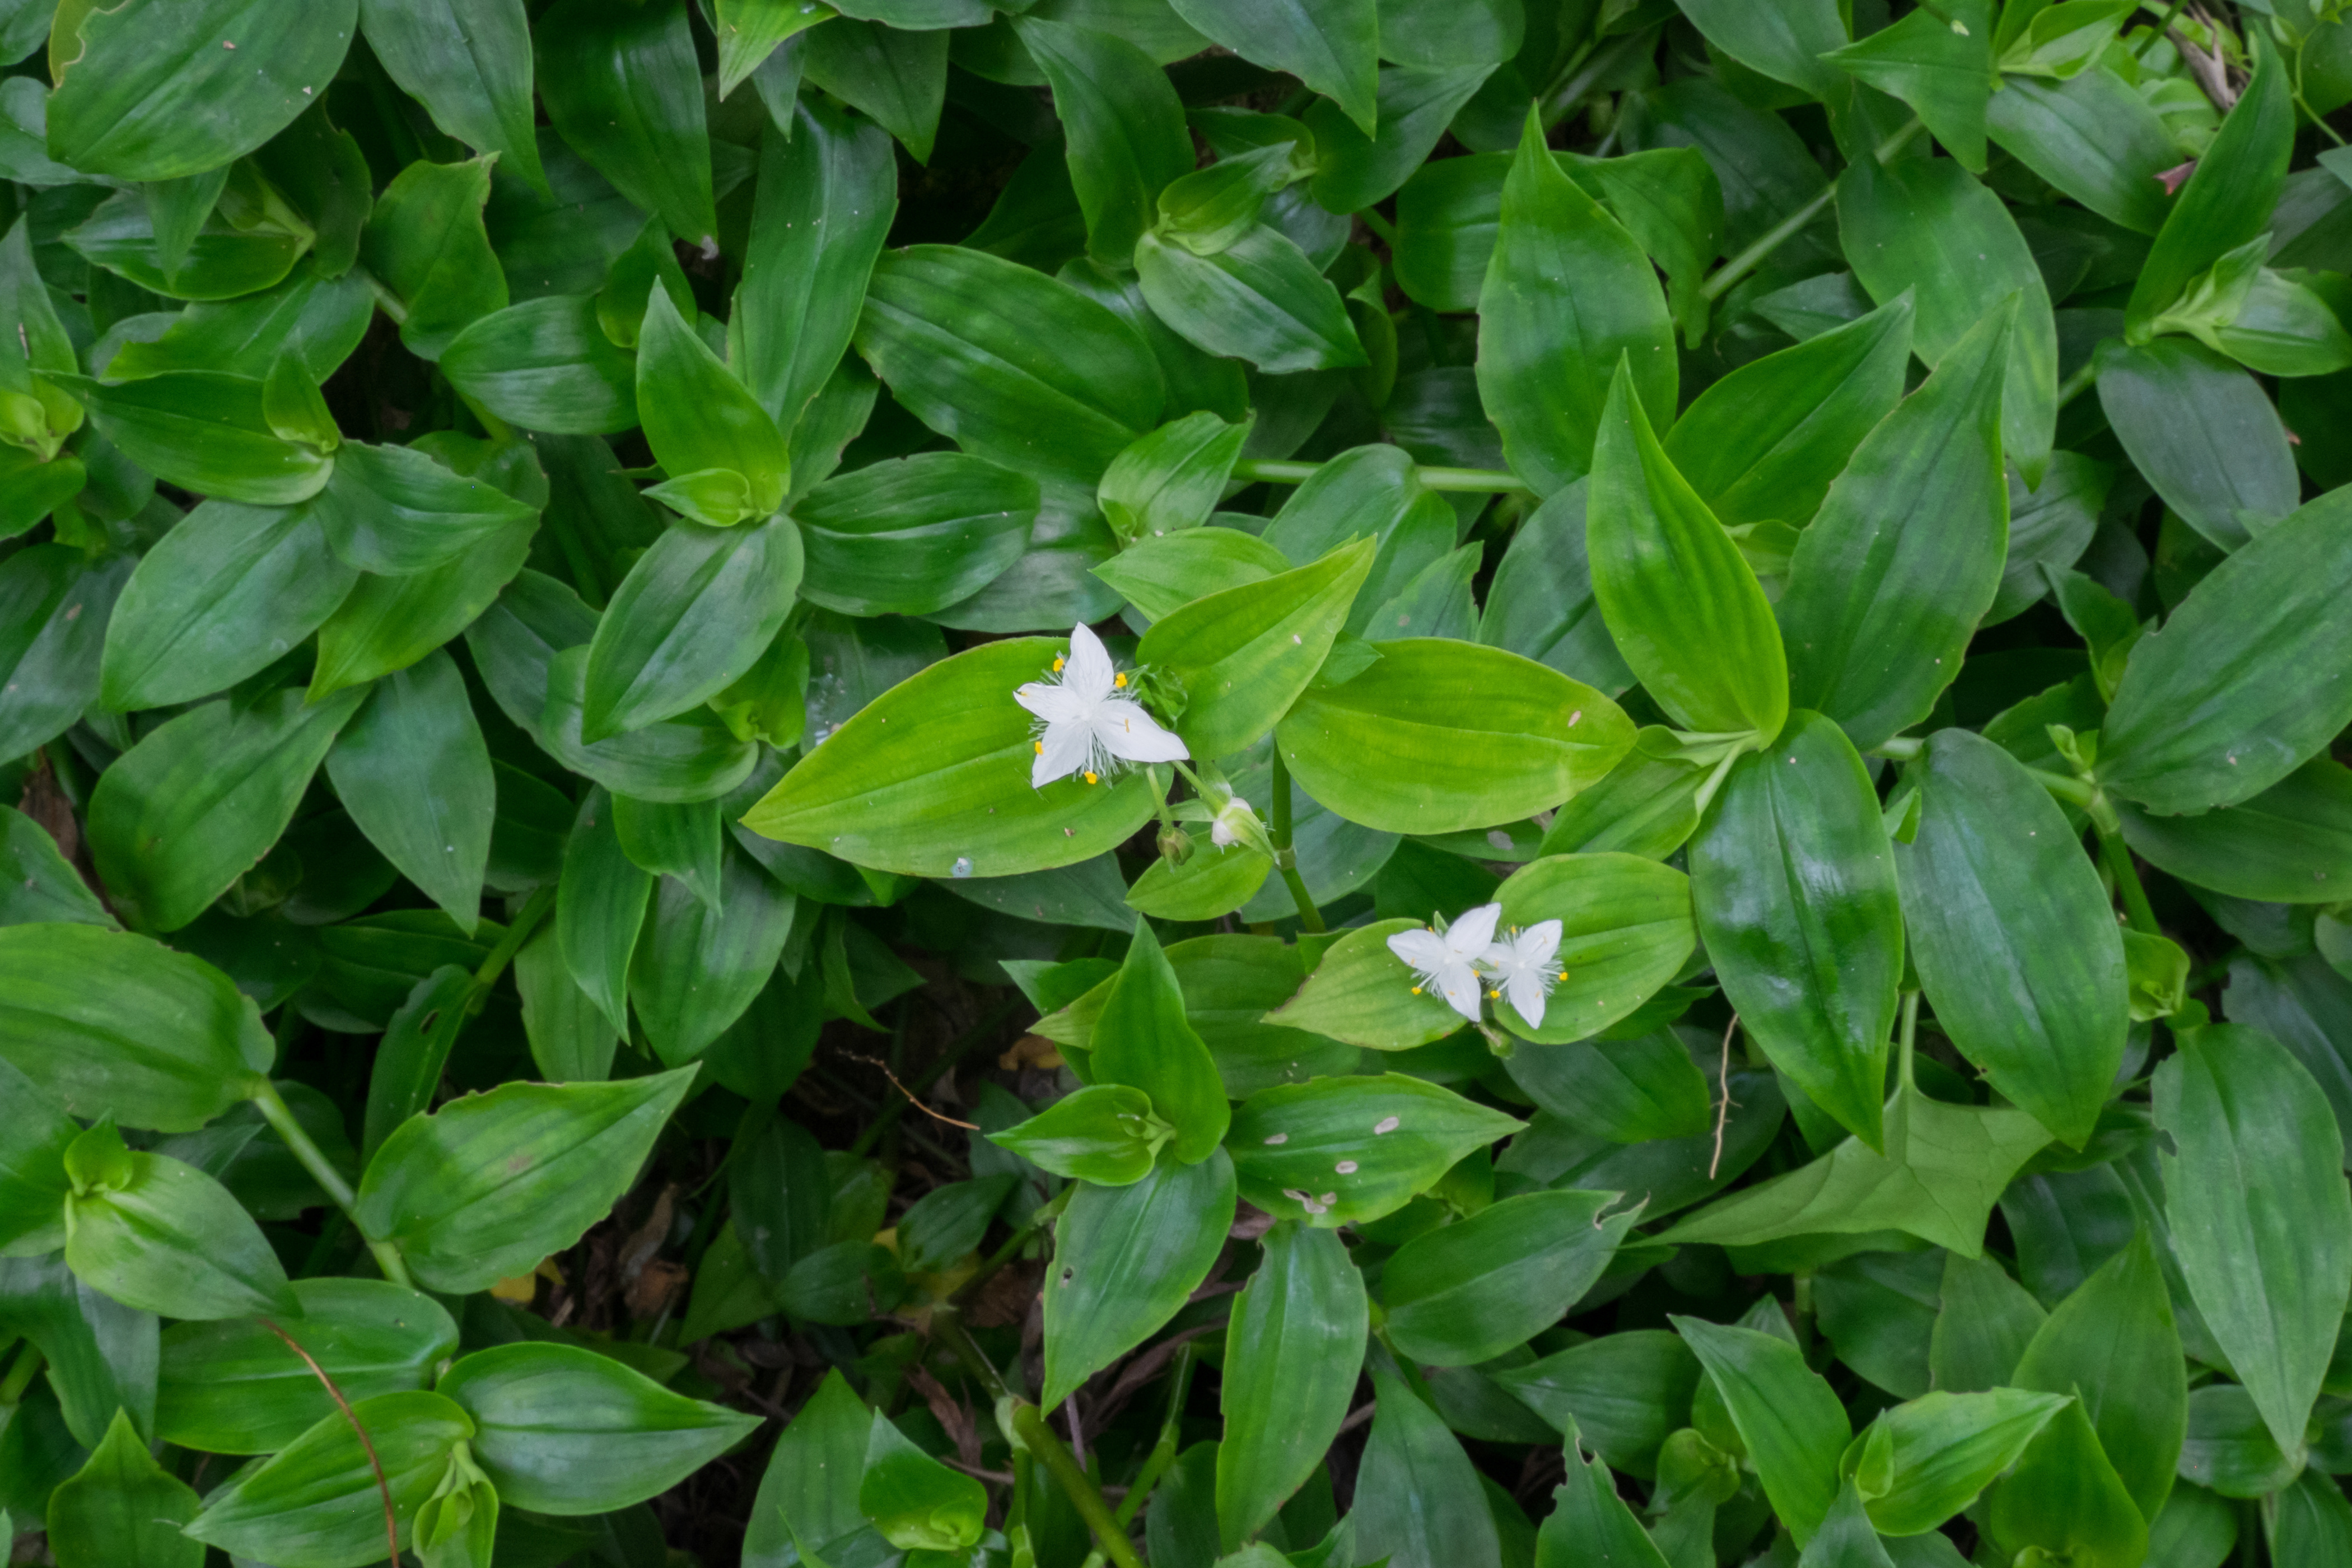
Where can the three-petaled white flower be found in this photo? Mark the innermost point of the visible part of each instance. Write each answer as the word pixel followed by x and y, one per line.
pixel 1448 959
pixel 1084 727
pixel 1525 967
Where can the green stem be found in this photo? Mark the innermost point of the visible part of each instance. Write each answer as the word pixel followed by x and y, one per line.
pixel 1479 481
pixel 1907 1041
pixel 1029 1426
pixel 1285 858
pixel 2071 789
pixel 1706 792
pixel 2162 28
pixel 2081 382
pixel 534 909
pixel 1163 1452
pixel 281 1117
pixel 1578 76
pixel 29 1362
pixel 1720 282
pixel 2118 857
pixel 1380 226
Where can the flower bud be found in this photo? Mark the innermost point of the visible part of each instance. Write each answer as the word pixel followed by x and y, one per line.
pixel 1175 844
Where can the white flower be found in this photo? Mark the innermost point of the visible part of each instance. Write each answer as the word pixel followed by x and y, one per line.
pixel 1525 965
pixel 1448 959
pixel 1236 823
pixel 1084 728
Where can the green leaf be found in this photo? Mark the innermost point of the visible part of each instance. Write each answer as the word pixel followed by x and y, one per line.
pixel 206 432
pixel 810 1488
pixel 1943 1168
pixel 1467 1292
pixel 1245 654
pixel 2228 1446
pixel 750 31
pixel 54 604
pixel 319 319
pixel 623 88
pixel 185 812
pixel 1926 1460
pixel 37 883
pixel 1022 370
pixel 1125 1259
pixel 1294 1348
pixel 1588 1522
pixel 897 78
pixel 934 776
pixel 412 769
pixel 231 1386
pixel 1764 443
pixel 217 599
pixel 110 1023
pixel 1142 1039
pixel 1259 299
pixel 1417 1495
pixel 1401 1134
pixel 1416 105
pixel 2228 197
pixel 564 1430
pixel 2202 432
pixel 2095 138
pixel 2290 843
pixel 826 198
pixel 1440 735
pixel 1625 931
pixel 1125 128
pixel 1106 1134
pixel 390 623
pixel 1208 209
pixel 1170 480
pixel 681 841
pixel 2112 1344
pixel 912 536
pixel 222 261
pixel 1792 1425
pixel 161 1237
pixel 700 963
pixel 698 417
pixel 600 907
pixel 1939 67
pixel 1787 43
pixel 151 94
pixel 914 1501
pixel 1887 584
pixel 1846 1538
pixel 1926 226
pixel 395 510
pixel 547 365
pixel 1685 607
pixel 469 65
pixel 1625 1393
pixel 1364 994
pixel 691 618
pixel 1544 354
pixel 2268 1260
pixel 2066 1499
pixel 123 1510
pixel 1795 891
pixel 2012 934
pixel 1540 604
pixel 1329 45
pixel 316 1503
pixel 485 1188
pixel 1628 1091
pixel 425 241
pixel 2311 1521
pixel 2188 731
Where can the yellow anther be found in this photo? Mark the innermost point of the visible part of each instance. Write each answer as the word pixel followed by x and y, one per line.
pixel 1416 990
pixel 1040 747
pixel 1493 996
pixel 1057 664
pixel 1090 778
pixel 1563 974
pixel 1119 680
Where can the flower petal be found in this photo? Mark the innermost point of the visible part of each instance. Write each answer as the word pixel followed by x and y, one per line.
pixel 1127 731
pixel 1425 951
pixel 1061 752
pixel 1525 991
pixel 1054 704
pixel 1538 944
pixel 1458 984
pixel 1469 934
pixel 1089 672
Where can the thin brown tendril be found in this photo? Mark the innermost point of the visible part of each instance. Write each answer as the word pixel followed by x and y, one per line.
pixel 902 1089
pixel 391 1523
pixel 1723 1106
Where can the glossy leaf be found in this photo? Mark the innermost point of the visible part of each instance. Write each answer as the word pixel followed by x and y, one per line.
pixel 1125 127
pixel 1887 584
pixel 1143 1040
pixel 204 431
pixel 161 1236
pixel 1792 1425
pixel 412 769
pixel 425 242
pixel 1419 1495
pixel 1440 735
pixel 1663 569
pixel 200 799
pixel 2065 1498
pixel 2014 937
pixel 1327 44
pixel 1105 1133
pixel 1294 1344
pixel 1288 1141
pixel 122 1507
pixel 2227 199
pixel 1260 298
pixel 485 1188
pixel 688 620
pixel 1550 412
pixel 2268 1259
pixel 1467 1292
pixel 564 1430
pixel 912 536
pixel 546 365
pixel 470 66
pixel 623 88
pixel 1125 1258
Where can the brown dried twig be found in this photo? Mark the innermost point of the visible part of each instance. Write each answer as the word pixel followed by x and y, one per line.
pixel 1723 1104
pixel 390 1521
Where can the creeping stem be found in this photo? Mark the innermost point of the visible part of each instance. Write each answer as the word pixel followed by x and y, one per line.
pixel 1285 858
pixel 275 1110
pixel 1469 481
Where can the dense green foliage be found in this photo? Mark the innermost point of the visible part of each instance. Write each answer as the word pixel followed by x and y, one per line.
pixel 1474 784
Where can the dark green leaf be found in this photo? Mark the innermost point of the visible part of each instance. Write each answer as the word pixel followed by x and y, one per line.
pixel 1401 1134
pixel 1793 1427
pixel 1417 1495
pixel 1327 44
pixel 204 431
pixel 161 1236
pixel 395 511
pixel 1124 124
pixel 623 88
pixel 2228 197
pixel 2202 432
pixel 425 242
pixel 1467 1292
pixel 1125 1259
pixel 699 965
pixel 1142 1039
pixel 1945 72
pixel 898 79
pixel 316 1504
pixel 915 535
pixel 390 623
pixel 470 65
pixel 1294 1348
pixel 1260 298
pixel 1624 1392
pixel 2095 138
pixel 412 769
pixel 546 365
pixel 689 619
pixel 2066 1499
pixel 124 1509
